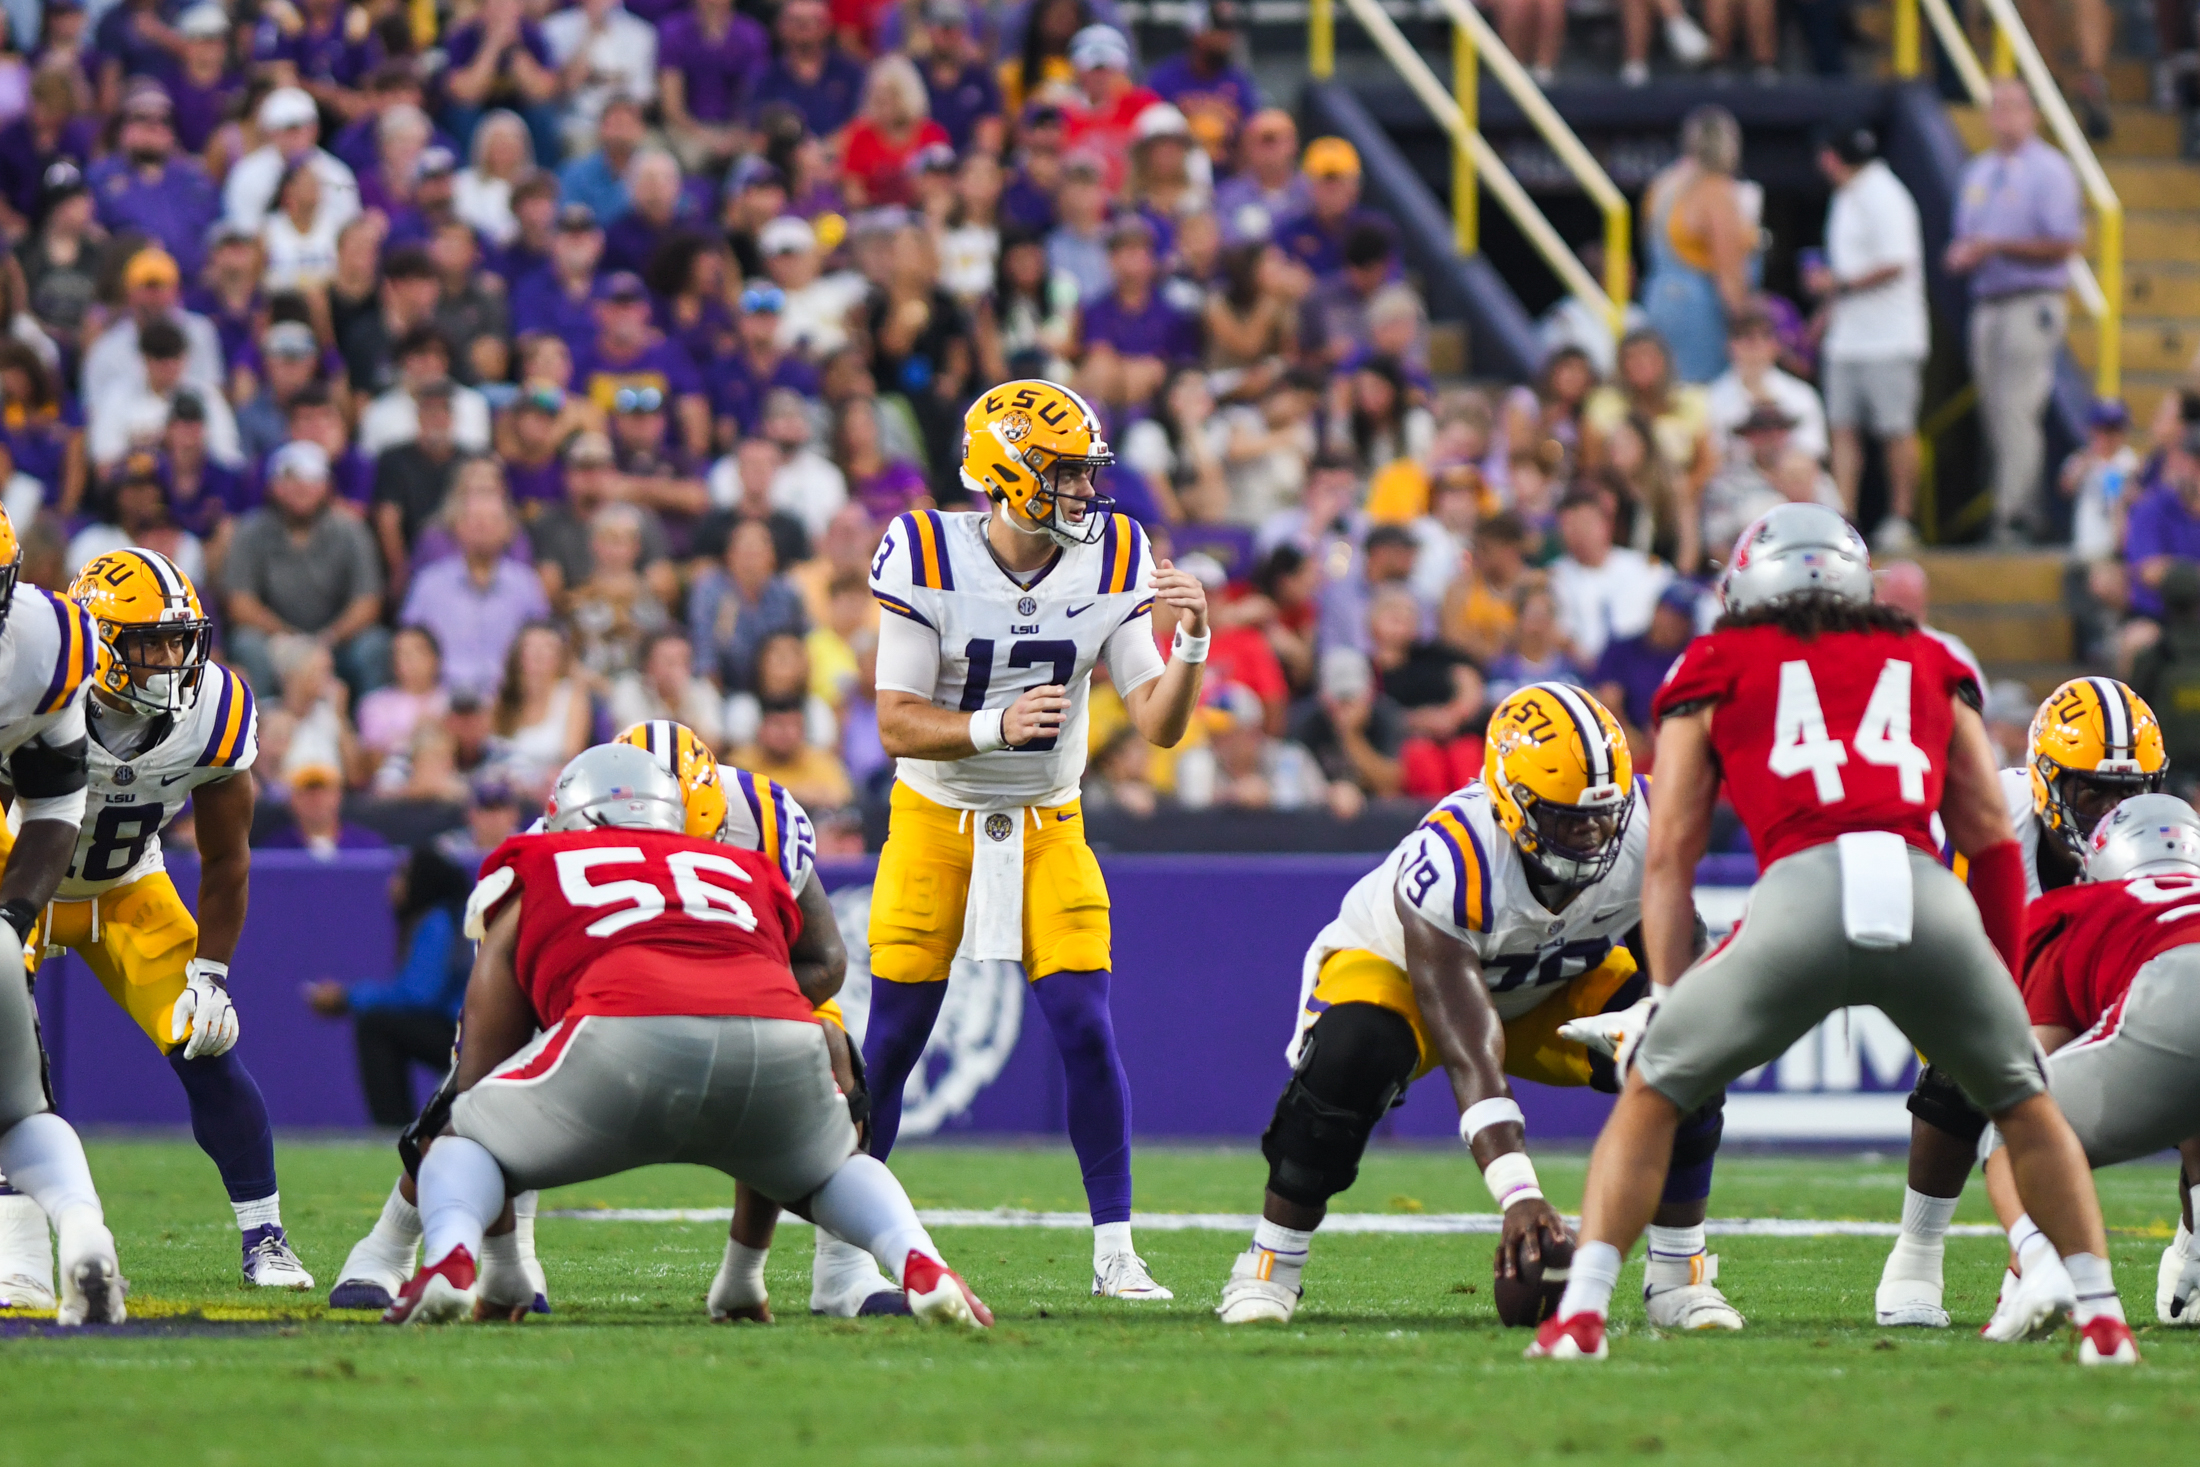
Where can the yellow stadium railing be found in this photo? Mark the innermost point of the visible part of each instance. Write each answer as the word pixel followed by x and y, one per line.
pixel 2014 54
pixel 1475 164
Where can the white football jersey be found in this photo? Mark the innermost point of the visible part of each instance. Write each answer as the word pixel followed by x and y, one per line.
pixel 130 801
pixel 48 652
pixel 2016 790
pixel 997 639
pixel 1461 871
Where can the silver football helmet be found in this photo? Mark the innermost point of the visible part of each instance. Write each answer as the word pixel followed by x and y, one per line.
pixel 2147 835
pixel 616 785
pixel 1796 548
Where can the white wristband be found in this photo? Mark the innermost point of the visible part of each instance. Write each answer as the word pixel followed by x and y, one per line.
pixel 985 730
pixel 1511 1178
pixel 1484 1114
pixel 1191 649
pixel 209 967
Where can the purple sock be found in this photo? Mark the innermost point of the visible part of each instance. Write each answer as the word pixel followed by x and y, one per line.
pixel 901 1021
pixel 229 1121
pixel 1695 1149
pixel 1076 1006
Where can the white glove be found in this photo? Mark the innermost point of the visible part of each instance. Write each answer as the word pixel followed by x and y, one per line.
pixel 1615 1034
pixel 204 1012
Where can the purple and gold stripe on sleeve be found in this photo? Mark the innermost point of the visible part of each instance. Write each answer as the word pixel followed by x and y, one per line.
pixel 1470 902
pixel 77 657
pixel 1121 548
pixel 928 563
pixel 232 718
pixel 900 607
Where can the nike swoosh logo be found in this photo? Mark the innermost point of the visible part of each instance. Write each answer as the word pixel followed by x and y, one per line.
pixel 168 779
pixel 1065 817
pixel 1081 610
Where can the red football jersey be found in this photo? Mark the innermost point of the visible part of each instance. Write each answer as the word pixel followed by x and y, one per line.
pixel 1816 739
pixel 2084 943
pixel 638 922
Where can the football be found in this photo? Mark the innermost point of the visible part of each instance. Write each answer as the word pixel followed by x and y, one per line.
pixel 1531 1295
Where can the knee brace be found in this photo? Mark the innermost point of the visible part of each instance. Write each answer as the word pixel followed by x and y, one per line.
pixel 1939 1102
pixel 1358 1060
pixel 429 1124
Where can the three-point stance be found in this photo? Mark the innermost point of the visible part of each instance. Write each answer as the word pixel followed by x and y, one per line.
pixel 984 672
pixel 1838 729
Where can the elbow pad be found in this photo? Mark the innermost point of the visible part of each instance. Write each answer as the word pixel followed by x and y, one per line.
pixel 1997 885
pixel 68 809
pixel 43 772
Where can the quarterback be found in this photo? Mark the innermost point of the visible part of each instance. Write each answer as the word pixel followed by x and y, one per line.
pixel 167 726
pixel 985 660
pixel 2094 744
pixel 1507 915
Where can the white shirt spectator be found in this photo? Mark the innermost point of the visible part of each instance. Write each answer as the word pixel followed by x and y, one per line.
pixel 622 62
pixel 1872 224
pixel 1574 322
pixel 394 418
pixel 815 321
pixel 250 190
pixel 298 260
pixel 113 361
pixel 1730 403
pixel 135 416
pixel 95 540
pixel 808 486
pixel 1598 604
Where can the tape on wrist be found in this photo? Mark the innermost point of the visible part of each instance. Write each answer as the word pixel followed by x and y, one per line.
pixel 209 968
pixel 1511 1178
pixel 1189 648
pixel 985 730
pixel 1484 1114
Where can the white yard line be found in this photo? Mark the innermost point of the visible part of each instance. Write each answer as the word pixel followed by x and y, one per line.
pixel 1242 1222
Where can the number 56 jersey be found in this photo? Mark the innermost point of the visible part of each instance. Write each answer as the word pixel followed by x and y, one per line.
pixel 130 801
pixel 996 639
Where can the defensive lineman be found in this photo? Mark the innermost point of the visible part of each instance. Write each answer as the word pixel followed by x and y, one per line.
pixel 1507 914
pixel 674 1001
pixel 168 727
pixel 984 671
pixel 2094 743
pixel 1839 731
pixel 45 664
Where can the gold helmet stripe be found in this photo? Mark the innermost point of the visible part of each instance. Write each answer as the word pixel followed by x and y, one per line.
pixel 1589 727
pixel 2115 717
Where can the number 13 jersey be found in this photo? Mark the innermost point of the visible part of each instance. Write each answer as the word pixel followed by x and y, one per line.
pixel 996 639
pixel 129 801
pixel 1823 737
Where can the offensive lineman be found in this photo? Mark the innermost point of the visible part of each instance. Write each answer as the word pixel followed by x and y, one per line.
pixel 984 673
pixel 2094 743
pixel 1838 730
pixel 167 726
pixel 45 664
pixel 675 1006
pixel 1509 912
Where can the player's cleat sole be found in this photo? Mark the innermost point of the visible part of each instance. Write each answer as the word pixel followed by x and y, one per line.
pixel 938 1295
pixel 18 1292
pixel 1257 1301
pixel 2105 1341
pixel 1909 1304
pixel 92 1286
pixel 888 1303
pixel 442 1294
pixel 361 1294
pixel 1913 1316
pixel 1124 1276
pixel 1577 1337
pixel 269 1262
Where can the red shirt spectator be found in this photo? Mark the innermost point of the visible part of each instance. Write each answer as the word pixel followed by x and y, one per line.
pixel 893 126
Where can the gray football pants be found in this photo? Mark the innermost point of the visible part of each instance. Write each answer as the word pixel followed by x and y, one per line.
pixel 2131 1087
pixel 22 1059
pixel 595 1096
pixel 1791 963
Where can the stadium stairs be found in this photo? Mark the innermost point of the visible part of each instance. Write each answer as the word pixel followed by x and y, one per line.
pixel 2009 609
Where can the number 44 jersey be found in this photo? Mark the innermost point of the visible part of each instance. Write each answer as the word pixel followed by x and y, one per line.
pixel 997 639
pixel 129 801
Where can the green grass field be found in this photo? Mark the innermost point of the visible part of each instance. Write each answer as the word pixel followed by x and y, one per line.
pixel 1394 1357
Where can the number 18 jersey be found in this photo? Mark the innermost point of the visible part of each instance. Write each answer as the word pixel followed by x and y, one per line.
pixel 1821 737
pixel 998 639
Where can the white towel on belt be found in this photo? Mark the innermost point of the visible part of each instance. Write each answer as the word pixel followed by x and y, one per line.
pixel 993 922
pixel 1877 904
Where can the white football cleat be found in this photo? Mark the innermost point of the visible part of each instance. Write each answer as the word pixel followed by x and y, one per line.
pixel 373 1273
pixel 1904 1300
pixel 845 1282
pixel 1576 1337
pixel 26 1254
pixel 441 1294
pixel 2033 1306
pixel 2106 1341
pixel 1697 1304
pixel 937 1294
pixel 1253 1297
pixel 92 1286
pixel 270 1262
pixel 1124 1276
pixel 2176 1282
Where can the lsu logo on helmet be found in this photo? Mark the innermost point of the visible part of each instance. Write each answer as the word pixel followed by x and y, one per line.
pixel 2094 744
pixel 1023 442
pixel 155 639
pixel 683 755
pixel 1561 782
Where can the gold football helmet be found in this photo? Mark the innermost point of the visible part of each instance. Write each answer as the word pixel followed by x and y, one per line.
pixel 11 564
pixel 681 753
pixel 2094 744
pixel 155 639
pixel 1037 447
pixel 1561 782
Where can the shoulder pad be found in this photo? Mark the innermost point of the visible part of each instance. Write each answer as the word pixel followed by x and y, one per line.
pixel 1123 556
pixel 1446 871
pixel 764 817
pixel 486 894
pixel 75 653
pixel 233 737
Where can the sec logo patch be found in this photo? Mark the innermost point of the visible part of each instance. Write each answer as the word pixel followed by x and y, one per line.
pixel 1027 607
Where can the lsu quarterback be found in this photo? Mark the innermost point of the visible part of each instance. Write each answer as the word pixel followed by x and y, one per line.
pixel 985 661
pixel 1512 912
pixel 46 663
pixel 168 726
pixel 2093 744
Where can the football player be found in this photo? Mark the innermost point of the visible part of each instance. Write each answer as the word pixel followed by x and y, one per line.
pixel 644 996
pixel 2094 743
pixel 46 662
pixel 985 660
pixel 2112 984
pixel 169 727
pixel 1838 731
pixel 1506 915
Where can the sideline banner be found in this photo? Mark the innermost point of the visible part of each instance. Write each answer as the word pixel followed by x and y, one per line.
pixel 1207 952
